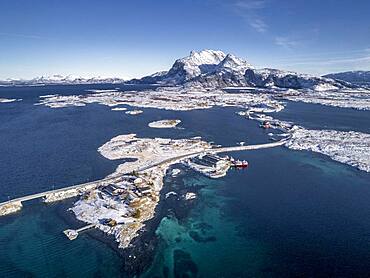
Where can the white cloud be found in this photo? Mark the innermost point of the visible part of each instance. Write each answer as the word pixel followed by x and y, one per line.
pixel 250 11
pixel 251 4
pixel 258 24
pixel 286 42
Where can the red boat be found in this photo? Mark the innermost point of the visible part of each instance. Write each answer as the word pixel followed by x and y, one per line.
pixel 240 164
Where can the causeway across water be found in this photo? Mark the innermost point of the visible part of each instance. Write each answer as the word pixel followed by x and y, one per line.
pixel 168 160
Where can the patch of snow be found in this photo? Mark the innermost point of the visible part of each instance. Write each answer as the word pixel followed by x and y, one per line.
pixel 47 96
pixel 324 87
pixel 164 124
pixel 134 112
pixel 190 196
pixel 175 172
pixel 7 100
pixel 119 109
pixel 9 208
pixel 171 193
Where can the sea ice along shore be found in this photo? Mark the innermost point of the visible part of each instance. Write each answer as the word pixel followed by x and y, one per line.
pixel 164 124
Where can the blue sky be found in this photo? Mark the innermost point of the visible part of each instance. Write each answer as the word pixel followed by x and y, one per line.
pixel 134 38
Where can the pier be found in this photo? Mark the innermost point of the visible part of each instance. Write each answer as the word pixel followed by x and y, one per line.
pixel 14 205
pixel 73 234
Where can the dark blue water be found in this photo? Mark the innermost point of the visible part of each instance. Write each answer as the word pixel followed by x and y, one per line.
pixel 316 116
pixel 44 148
pixel 290 214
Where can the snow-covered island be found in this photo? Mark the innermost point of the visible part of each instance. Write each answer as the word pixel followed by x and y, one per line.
pixel 134 112
pixel 164 124
pixel 119 109
pixel 7 100
pixel 120 208
pixel 11 207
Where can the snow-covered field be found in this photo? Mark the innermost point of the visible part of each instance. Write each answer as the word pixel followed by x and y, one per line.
pixel 148 151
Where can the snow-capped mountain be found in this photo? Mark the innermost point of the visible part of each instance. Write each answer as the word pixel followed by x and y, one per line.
pixel 196 64
pixel 210 68
pixel 361 78
pixel 60 79
pixel 215 69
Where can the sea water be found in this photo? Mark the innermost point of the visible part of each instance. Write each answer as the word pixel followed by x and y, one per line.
pixel 290 213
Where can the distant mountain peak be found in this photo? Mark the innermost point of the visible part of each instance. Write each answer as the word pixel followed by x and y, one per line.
pixel 204 57
pixel 214 68
pixel 196 63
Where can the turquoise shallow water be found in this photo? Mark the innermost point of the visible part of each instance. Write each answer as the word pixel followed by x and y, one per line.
pixel 32 245
pixel 296 215
pixel 289 214
pixel 207 243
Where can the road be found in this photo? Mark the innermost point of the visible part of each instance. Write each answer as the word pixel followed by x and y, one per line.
pixel 168 160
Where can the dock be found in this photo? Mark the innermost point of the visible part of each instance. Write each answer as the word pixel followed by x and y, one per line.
pixel 73 234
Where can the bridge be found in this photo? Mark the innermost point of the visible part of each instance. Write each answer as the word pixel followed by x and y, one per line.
pixel 250 147
pixel 4 206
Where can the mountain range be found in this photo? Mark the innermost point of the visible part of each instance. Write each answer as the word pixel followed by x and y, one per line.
pixel 213 69
pixel 361 78
pixel 59 80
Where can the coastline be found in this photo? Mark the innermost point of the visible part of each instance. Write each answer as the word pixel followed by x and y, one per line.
pixel 139 255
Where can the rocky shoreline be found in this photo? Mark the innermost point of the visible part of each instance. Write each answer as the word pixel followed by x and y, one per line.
pixel 138 256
